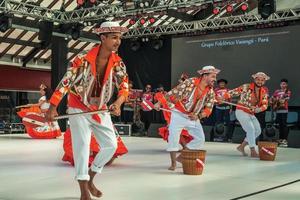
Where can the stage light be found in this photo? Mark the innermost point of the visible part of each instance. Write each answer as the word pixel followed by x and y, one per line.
pixel 147 4
pixel 132 21
pixel 80 2
pixel 244 7
pixel 76 31
pixel 135 45
pixel 152 20
pixel 142 21
pixel 216 10
pixel 266 8
pixel 145 39
pixel 129 5
pixel 229 8
pixel 142 5
pixel 157 44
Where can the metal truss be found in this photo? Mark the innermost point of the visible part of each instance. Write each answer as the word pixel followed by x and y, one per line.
pixel 29 10
pixel 118 10
pixel 88 14
pixel 213 24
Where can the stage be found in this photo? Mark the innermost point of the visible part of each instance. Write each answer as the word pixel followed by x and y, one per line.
pixel 32 170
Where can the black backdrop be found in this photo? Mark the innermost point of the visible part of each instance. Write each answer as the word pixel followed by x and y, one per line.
pixel 147 65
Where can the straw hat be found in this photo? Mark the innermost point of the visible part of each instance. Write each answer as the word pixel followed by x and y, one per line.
pixel 262 75
pixel 208 70
pixel 110 27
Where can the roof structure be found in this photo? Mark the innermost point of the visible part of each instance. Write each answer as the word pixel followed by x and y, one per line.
pixel 18 43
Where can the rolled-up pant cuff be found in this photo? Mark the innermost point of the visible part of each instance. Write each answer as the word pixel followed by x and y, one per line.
pixel 173 149
pixel 192 147
pixel 82 177
pixel 96 169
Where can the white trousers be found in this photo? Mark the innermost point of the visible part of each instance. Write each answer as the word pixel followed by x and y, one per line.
pixel 251 126
pixel 81 129
pixel 181 121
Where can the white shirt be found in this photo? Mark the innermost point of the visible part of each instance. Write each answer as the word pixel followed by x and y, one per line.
pixel 45 105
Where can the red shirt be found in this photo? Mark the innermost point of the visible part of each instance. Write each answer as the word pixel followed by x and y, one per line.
pixel 284 96
pixel 220 92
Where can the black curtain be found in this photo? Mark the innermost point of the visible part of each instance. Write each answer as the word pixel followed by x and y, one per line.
pixel 148 65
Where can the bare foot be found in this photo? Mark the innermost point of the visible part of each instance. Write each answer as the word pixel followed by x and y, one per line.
pixel 85 197
pixel 172 168
pixel 254 154
pixel 93 190
pixel 242 150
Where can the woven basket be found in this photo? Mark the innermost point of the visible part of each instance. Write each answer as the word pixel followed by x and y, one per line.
pixel 267 150
pixel 193 161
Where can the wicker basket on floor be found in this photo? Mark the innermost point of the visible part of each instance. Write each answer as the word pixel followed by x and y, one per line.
pixel 193 161
pixel 267 150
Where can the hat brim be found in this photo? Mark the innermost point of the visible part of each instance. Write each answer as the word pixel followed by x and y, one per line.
pixel 254 76
pixel 208 71
pixel 118 29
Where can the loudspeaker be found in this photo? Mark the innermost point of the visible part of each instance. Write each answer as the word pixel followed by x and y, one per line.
pixel 45 31
pixel 266 8
pixel 238 135
pixel 294 139
pixel 153 129
pixel 123 129
pixel 270 133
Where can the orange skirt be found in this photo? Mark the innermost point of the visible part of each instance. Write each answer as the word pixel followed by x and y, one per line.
pixel 25 111
pixel 94 148
pixel 185 137
pixel 45 132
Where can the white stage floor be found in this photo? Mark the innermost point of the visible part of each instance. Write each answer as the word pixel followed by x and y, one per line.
pixel 32 170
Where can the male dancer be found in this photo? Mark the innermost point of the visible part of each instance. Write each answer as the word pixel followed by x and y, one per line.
pixel 89 82
pixel 254 97
pixel 190 101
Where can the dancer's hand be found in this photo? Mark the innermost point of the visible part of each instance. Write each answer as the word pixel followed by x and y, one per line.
pixel 115 109
pixel 157 106
pixel 202 115
pixel 51 113
pixel 255 109
pixel 193 117
pixel 219 99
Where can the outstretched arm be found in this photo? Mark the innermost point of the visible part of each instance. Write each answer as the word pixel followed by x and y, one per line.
pixel 63 87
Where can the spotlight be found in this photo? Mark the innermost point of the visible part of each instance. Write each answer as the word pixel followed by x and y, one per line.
pixel 147 4
pixel 129 5
pixel 142 21
pixel 266 8
pixel 135 45
pixel 157 44
pixel 132 21
pixel 76 31
pixel 141 4
pixel 216 10
pixel 144 4
pixel 145 39
pixel 152 20
pixel 229 8
pixel 244 7
pixel 80 2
